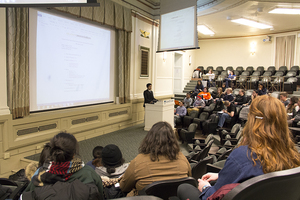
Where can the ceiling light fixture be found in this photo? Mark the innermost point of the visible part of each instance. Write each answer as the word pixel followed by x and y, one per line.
pixel 251 23
pixel 290 11
pixel 204 30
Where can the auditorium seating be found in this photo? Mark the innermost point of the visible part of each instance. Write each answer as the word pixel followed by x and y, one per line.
pixel 229 68
pixel 271 69
pixel 275 185
pixel 295 69
pixel 219 69
pixel 290 84
pixel 203 117
pixel 231 132
pixel 187 135
pixel 260 69
pixel 250 70
pixel 199 168
pixel 187 120
pixel 240 69
pixel 208 68
pixel 283 69
pixel 290 74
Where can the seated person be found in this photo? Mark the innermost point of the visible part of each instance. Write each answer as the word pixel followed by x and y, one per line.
pixel 159 159
pixel 205 94
pixel 230 78
pixel 224 87
pixel 198 88
pixel 112 162
pixel 97 154
pixel 228 95
pixel 267 147
pixel 261 89
pixel 283 98
pixel 65 165
pixel 220 95
pixel 180 112
pixel 240 98
pixel 293 112
pixel 253 96
pixel 211 76
pixel 199 103
pixel 188 100
pixel 227 114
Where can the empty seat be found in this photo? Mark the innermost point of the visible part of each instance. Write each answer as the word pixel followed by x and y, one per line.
pixel 295 69
pixel 267 73
pixel 235 92
pixel 245 73
pixel 279 73
pixel 290 74
pixel 187 120
pixel 212 89
pixel 199 168
pixel 216 73
pixel 250 69
pixel 271 69
pixel 220 79
pixel 253 82
pixel 256 73
pixel 237 73
pixel 219 69
pixel 203 117
pixel 240 69
pixel 283 69
pixel 224 73
pixel 242 82
pixel 210 125
pixel 265 81
pixel 229 68
pixel 290 84
pixel 201 68
pixel 187 135
pixel 261 69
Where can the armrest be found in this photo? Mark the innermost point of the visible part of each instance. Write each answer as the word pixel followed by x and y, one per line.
pixel 212 168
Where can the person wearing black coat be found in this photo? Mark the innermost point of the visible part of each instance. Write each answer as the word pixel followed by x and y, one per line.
pixel 148 95
pixel 240 98
pixel 262 90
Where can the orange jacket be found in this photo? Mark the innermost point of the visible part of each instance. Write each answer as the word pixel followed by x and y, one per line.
pixel 206 95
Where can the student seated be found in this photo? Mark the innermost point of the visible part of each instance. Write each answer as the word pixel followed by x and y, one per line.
pixel 261 89
pixel 64 165
pixel 205 94
pixel 219 95
pixel 188 101
pixel 267 147
pixel 240 98
pixel 283 98
pixel 253 96
pixel 159 159
pixel 228 95
pixel 198 88
pixel 97 154
pixel 230 78
pixel 113 163
pixel 180 112
pixel 211 76
pixel 227 114
pixel 199 103
pixel 293 112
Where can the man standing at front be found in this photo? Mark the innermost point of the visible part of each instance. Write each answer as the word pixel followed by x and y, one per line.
pixel 148 95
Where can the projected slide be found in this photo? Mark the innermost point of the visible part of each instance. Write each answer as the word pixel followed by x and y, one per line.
pixel 72 63
pixel 178 29
pixel 41 1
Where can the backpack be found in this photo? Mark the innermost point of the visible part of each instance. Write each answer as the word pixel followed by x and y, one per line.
pixel 75 190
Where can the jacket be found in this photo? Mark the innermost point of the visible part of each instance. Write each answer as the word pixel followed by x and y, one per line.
pixel 148 96
pixel 142 171
pixel 101 171
pixel 240 100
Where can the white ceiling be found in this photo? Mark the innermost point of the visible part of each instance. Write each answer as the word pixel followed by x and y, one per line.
pixel 216 18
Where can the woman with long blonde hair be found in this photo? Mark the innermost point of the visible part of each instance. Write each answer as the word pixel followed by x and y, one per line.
pixel 267 146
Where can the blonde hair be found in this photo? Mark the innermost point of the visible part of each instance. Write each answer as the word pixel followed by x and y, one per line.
pixel 267 135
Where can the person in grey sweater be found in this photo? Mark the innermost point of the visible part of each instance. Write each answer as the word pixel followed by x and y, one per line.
pixel 188 101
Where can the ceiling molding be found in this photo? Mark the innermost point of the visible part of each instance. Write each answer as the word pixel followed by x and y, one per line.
pixel 153 2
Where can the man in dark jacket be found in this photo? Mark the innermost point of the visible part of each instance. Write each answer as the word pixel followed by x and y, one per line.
pixel 240 98
pixel 148 95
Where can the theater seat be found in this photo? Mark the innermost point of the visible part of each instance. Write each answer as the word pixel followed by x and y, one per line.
pixel 275 185
pixel 290 85
pixel 282 69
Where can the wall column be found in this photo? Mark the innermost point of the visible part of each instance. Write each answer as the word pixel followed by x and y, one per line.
pixel 4 110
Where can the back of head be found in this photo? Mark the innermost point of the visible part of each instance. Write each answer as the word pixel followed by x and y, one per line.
pixel 112 157
pixel 266 133
pixel 160 141
pixel 97 154
pixel 63 147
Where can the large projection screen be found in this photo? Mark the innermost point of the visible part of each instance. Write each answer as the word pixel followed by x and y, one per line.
pixel 71 62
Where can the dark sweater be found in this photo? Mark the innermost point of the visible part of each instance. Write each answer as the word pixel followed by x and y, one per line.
pixel 240 100
pixel 228 97
pixel 238 168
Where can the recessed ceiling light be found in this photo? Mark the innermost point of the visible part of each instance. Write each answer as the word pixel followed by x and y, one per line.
pixel 204 30
pixel 290 11
pixel 251 23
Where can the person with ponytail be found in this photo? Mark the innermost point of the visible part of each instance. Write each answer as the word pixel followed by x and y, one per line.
pixel 97 154
pixel 267 146
pixel 64 165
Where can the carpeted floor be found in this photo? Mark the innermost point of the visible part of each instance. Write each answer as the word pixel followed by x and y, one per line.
pixel 128 140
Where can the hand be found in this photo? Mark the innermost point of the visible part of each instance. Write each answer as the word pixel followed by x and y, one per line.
pixel 202 183
pixel 235 103
pixel 293 119
pixel 177 114
pixel 210 177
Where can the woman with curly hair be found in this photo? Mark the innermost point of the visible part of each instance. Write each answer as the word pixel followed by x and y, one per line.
pixel 159 159
pixel 267 146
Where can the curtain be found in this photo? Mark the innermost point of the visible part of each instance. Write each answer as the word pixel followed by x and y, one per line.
pixel 285 51
pixel 18 62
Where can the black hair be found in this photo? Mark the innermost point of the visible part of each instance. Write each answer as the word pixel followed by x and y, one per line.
pixel 97 154
pixel 148 84
pixel 45 154
pixel 112 169
pixel 64 146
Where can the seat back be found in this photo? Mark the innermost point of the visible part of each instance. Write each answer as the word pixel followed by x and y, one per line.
pixel 212 89
pixel 266 79
pixel 295 68
pixel 291 80
pixel 254 79
pixel 275 185
pixel 204 116
pixel 271 69
pixel 242 78
pixel 192 127
pixel 199 169
pixel 224 73
pixel 260 68
pixel 282 69
pixel 216 73
pixel 256 73
pixel 240 69
pixel 229 68
pixel 204 151
pixel 235 92
pixel 167 188
pixel 219 68
pixel 275 94
pixel 267 73
pixel 279 73
pixel 209 108
pixel 201 68
pixel 237 73
pixel 248 92
pixel 246 73
pixel 235 128
pixel 278 80
pixel 221 77
pixel 208 138
pixel 291 74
